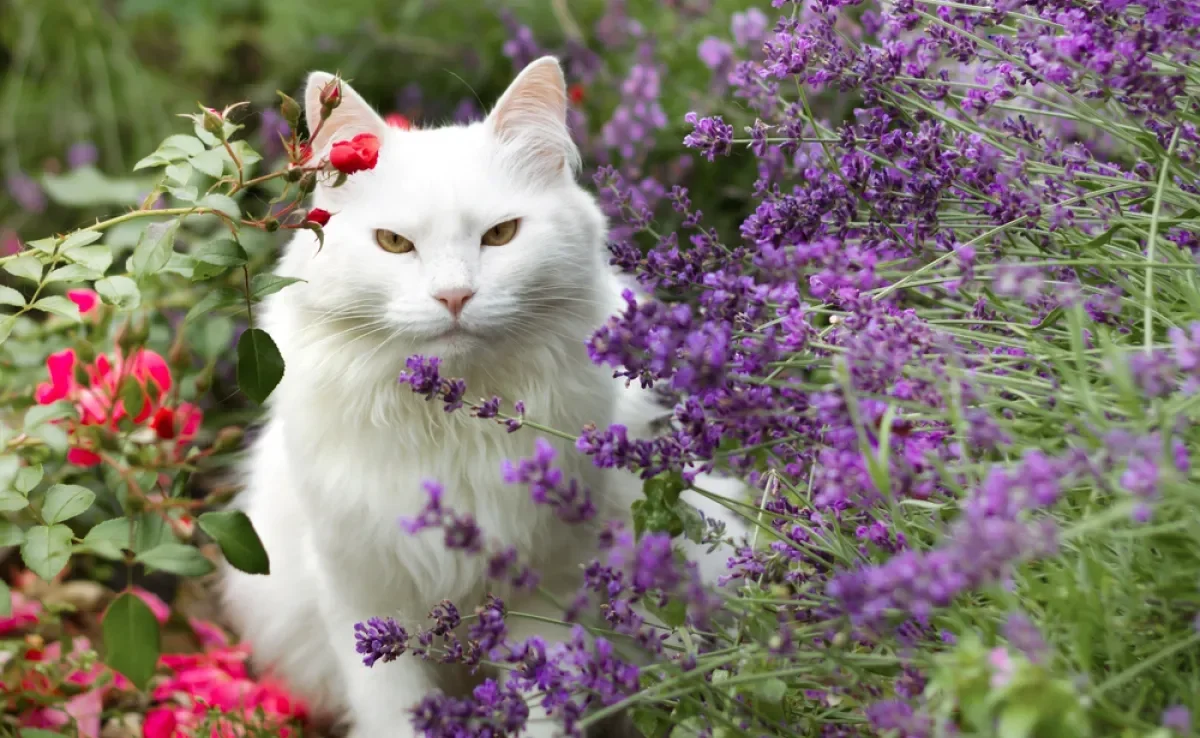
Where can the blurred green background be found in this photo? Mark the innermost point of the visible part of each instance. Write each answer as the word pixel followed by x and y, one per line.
pixel 100 82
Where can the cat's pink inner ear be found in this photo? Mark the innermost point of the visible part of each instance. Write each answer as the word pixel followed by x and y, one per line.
pixel 349 118
pixel 536 99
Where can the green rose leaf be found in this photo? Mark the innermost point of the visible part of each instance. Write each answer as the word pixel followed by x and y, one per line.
pixel 56 305
pixel 267 284
pixel 65 501
pixel 235 534
pixel 26 266
pixel 154 249
pixel 260 365
pixel 109 539
pixel 177 558
pixel 9 296
pixel 120 292
pixel 47 549
pixel 131 639
pixel 10 534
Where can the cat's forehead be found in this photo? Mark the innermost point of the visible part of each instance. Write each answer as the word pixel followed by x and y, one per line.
pixel 454 155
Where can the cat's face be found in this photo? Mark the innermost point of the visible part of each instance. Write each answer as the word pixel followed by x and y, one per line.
pixel 461 238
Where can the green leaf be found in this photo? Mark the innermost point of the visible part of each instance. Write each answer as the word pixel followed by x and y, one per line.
pixel 97 258
pixel 10 534
pixel 38 414
pixel 11 501
pixel 131 639
pixel 10 465
pixel 57 305
pixel 154 249
pixel 152 531
pixel 87 187
pixel 26 266
pixel 673 615
pixel 47 549
pixel 772 690
pixel 211 162
pixel 234 533
pixel 246 152
pixel 5 600
pixel 133 397
pixel 260 365
pixel 9 296
pixel 223 203
pixel 172 149
pixel 79 239
pixel 6 326
pixel 223 297
pixel 177 558
pixel 27 478
pixel 65 501
pixel 38 733
pixel 225 252
pixel 217 257
pixel 109 539
pixel 120 292
pixel 186 193
pixel 72 273
pixel 1017 721
pixel 262 285
pixel 179 172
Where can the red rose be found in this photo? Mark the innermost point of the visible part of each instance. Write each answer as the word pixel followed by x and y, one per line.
pixel 396 120
pixel 318 216
pixel 575 92
pixel 355 155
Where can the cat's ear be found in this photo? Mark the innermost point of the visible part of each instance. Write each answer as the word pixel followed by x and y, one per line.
pixel 351 117
pixel 531 119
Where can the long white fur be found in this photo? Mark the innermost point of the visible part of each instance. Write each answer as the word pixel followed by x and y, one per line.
pixel 346 448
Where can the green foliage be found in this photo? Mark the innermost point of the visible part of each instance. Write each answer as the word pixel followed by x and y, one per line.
pixel 131 639
pixel 260 365
pixel 234 533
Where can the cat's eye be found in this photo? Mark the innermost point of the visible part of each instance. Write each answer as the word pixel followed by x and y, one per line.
pixel 501 233
pixel 392 242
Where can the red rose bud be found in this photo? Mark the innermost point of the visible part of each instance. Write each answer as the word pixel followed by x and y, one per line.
pixel 357 154
pixel 575 93
pixel 318 216
pixel 331 97
pixel 164 423
pixel 396 120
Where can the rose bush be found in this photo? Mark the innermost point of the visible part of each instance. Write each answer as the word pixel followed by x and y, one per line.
pixel 925 277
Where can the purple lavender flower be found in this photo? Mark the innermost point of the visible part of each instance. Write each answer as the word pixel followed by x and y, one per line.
pixel 461 532
pixel 380 639
pixel 1024 636
pixel 1177 718
pixel 631 129
pixel 569 500
pixel 715 53
pixel 749 28
pixel 425 379
pixel 26 192
pixel 712 136
pixel 82 154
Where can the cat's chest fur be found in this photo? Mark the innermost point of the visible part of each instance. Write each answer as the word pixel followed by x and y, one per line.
pixel 357 480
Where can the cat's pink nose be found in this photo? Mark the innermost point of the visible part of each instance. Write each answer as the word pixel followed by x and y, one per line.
pixel 454 300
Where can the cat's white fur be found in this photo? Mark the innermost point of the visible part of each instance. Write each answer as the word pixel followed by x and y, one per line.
pixel 346 447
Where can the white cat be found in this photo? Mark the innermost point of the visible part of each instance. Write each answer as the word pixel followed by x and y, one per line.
pixel 505 279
